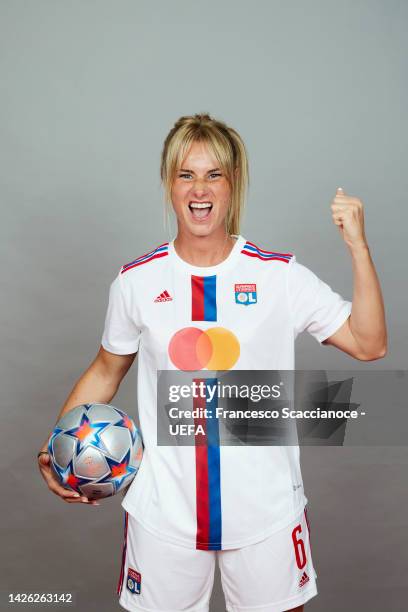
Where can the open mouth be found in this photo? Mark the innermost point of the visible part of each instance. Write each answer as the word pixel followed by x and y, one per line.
pixel 200 210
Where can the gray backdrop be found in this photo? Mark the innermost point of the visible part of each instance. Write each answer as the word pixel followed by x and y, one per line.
pixel 89 90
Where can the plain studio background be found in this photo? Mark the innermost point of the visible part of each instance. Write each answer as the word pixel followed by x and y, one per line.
pixel 89 90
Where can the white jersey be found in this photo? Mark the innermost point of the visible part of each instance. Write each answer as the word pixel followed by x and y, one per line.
pixel 250 308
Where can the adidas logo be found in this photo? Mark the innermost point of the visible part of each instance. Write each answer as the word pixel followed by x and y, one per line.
pixel 164 297
pixel 305 578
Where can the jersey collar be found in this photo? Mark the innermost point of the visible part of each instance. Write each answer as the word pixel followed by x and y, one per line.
pixel 208 270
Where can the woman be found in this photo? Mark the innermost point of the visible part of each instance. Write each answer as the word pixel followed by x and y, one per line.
pixel 210 287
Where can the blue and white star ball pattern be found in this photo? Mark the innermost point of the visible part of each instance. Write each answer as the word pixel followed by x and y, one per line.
pixel 96 450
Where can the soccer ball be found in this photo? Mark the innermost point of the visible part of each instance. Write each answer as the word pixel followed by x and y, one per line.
pixel 96 450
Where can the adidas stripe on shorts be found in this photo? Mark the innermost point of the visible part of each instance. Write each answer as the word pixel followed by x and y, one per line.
pixel 272 575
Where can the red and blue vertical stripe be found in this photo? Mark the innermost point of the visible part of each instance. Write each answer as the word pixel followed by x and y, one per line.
pixel 204 298
pixel 207 451
pixel 208 482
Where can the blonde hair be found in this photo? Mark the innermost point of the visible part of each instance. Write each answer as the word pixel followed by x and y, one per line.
pixel 228 149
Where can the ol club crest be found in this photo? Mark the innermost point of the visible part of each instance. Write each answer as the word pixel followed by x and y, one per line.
pixel 245 294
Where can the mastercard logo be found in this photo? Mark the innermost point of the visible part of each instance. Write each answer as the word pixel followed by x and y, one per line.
pixel 216 348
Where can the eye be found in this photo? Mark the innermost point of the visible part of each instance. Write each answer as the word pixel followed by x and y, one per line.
pixel 187 174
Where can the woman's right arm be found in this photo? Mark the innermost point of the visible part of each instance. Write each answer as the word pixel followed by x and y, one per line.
pixel 99 383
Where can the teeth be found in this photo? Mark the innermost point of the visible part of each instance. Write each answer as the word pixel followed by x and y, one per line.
pixel 200 204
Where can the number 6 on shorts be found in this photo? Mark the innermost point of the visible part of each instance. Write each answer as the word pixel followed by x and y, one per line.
pixel 299 546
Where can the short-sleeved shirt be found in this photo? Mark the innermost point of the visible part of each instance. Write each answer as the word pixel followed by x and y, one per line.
pixel 251 306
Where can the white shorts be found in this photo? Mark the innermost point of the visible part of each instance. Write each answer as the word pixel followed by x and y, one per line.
pixel 273 575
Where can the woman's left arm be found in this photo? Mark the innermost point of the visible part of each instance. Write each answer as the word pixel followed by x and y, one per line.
pixel 364 334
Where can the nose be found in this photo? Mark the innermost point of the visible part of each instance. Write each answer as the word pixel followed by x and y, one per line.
pixel 199 187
